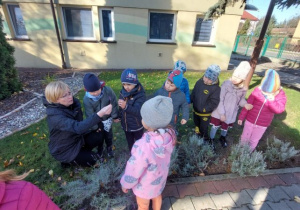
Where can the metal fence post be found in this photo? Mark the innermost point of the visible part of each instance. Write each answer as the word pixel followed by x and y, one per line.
pixel 249 41
pixel 236 43
pixel 282 48
pixel 266 46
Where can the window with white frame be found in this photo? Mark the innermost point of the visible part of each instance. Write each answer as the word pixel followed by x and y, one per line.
pixel 106 17
pixel 17 21
pixel 78 23
pixel 203 30
pixel 162 26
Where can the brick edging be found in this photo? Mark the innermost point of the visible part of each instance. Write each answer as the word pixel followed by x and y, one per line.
pixel 189 180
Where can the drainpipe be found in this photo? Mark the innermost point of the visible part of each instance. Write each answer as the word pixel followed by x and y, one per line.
pixel 64 66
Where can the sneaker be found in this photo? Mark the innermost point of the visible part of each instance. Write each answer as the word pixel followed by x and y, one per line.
pixel 110 152
pixel 223 141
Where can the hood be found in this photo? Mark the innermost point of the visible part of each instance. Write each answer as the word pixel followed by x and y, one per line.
pixel 162 142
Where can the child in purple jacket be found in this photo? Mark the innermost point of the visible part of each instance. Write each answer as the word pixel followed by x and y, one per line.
pixel 232 96
pixel 147 169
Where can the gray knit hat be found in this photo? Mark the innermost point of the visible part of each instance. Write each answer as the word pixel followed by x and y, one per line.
pixel 157 112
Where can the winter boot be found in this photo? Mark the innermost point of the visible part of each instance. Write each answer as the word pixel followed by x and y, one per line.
pixel 110 152
pixel 223 141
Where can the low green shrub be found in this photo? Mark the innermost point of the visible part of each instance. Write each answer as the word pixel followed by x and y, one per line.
pixel 243 162
pixel 195 156
pixel 278 150
pixel 100 188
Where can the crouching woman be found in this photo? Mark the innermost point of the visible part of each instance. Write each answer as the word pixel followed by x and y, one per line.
pixel 71 141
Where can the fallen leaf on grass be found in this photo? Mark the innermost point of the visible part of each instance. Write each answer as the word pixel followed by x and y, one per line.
pixel 202 174
pixel 64 184
pixel 22 142
pixel 20 163
pixel 51 173
pixel 59 178
pixel 35 134
pixel 7 163
pixel 24 133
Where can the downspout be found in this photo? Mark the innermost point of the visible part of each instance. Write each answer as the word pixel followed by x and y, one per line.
pixel 64 66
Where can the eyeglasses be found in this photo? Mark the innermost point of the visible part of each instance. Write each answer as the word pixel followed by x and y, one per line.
pixel 67 94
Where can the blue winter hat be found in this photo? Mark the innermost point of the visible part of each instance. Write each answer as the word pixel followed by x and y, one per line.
pixel 129 76
pixel 91 82
pixel 212 72
pixel 176 77
pixel 180 65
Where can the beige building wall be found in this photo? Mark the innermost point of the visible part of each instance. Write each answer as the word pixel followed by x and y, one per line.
pixel 296 36
pixel 131 48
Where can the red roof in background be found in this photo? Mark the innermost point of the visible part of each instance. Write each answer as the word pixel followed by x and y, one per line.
pixel 246 15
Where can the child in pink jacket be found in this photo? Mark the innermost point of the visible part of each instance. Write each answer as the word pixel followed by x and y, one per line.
pixel 19 195
pixel 267 99
pixel 147 169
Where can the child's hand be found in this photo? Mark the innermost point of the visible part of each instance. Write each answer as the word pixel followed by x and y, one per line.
pixel 124 190
pixel 248 106
pixel 223 118
pixel 183 121
pixel 122 103
pixel 240 122
pixel 117 120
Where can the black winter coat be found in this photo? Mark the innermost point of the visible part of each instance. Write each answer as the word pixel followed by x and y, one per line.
pixel 205 98
pixel 131 118
pixel 66 128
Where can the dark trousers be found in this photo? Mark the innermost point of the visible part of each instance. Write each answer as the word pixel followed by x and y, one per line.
pixel 201 124
pixel 131 137
pixel 108 136
pixel 86 157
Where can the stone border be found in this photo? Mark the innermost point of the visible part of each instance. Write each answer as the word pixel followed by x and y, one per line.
pixel 190 180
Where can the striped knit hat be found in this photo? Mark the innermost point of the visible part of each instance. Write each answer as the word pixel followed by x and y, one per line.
pixel 271 81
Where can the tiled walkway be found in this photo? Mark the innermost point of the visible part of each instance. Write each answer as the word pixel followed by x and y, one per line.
pixel 271 191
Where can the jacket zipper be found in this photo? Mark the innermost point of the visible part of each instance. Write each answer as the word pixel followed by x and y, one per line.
pixel 125 121
pixel 260 111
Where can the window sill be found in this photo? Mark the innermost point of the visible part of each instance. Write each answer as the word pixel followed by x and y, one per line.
pixel 167 43
pixel 203 45
pixel 18 39
pixel 105 41
pixel 78 40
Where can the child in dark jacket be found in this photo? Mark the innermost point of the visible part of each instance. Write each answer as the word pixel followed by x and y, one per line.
pixel 132 96
pixel 205 98
pixel 97 96
pixel 267 99
pixel 184 86
pixel 171 89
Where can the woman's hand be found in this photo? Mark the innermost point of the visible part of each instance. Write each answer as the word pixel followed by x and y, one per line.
pixel 183 121
pixel 105 110
pixel 240 122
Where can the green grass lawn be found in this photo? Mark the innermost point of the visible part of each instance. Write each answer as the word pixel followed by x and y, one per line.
pixel 28 148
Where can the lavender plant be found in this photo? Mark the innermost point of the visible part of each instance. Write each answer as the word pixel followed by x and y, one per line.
pixel 243 162
pixel 278 150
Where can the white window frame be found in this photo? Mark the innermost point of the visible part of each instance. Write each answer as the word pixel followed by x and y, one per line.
pixel 212 33
pixel 65 24
pixel 113 38
pixel 12 23
pixel 172 40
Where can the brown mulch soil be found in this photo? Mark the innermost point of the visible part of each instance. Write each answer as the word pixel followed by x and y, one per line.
pixel 32 80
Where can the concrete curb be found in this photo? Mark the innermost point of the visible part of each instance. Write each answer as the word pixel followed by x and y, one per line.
pixel 190 180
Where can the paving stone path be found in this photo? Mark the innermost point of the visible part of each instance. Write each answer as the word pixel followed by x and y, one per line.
pixel 274 190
